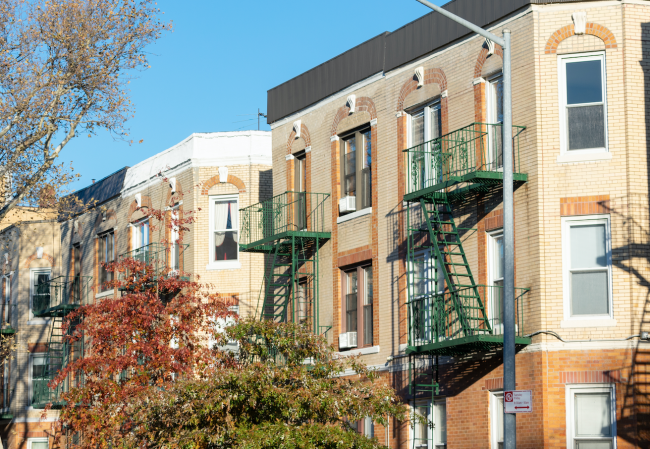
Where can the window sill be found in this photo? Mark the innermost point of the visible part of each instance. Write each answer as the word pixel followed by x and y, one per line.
pixel 353 215
pixel 225 265
pixel 565 158
pixel 361 351
pixel 104 294
pixel 38 321
pixel 576 323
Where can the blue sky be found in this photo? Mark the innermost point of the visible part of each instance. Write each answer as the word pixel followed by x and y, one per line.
pixel 217 65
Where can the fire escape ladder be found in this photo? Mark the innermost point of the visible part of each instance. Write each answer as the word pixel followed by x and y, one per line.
pixel 448 248
pixel 278 284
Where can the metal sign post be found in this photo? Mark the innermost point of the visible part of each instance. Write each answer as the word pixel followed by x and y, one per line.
pixel 509 419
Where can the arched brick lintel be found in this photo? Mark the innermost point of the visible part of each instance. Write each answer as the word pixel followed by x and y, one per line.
pixel 33 257
pixel 431 76
pixel 363 104
pixel 304 133
pixel 234 180
pixel 146 204
pixel 566 32
pixel 482 57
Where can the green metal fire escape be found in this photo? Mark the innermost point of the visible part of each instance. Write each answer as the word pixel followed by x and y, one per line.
pixel 290 229
pixel 449 314
pixel 55 299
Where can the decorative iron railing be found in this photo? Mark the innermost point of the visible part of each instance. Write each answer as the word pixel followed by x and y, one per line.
pixel 59 295
pixel 475 148
pixel 289 211
pixel 454 315
pixel 160 256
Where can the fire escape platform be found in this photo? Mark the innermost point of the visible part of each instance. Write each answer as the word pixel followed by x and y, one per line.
pixel 267 245
pixel 476 182
pixel 465 345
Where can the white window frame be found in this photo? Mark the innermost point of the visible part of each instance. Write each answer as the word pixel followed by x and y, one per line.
pixel 174 235
pixel 495 396
pixel 135 233
pixel 30 379
pixel 426 111
pixel 33 272
pixel 490 103
pixel 567 222
pixel 433 442
pixel 492 247
pixel 571 390
pixel 222 264
pixel 564 132
pixel 36 440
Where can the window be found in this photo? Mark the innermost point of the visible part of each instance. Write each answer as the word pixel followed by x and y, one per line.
pixel 175 249
pixel 583 104
pixel 426 437
pixel 224 222
pixel 40 290
pixel 496 269
pixel 368 427
pixel 496 419
pixel 356 167
pixel 494 91
pixel 591 416
pixel 106 255
pixel 425 161
pixel 358 302
pixel 300 187
pixel 76 267
pixel 141 234
pixel 587 267
pixel 6 300
pixel 424 289
pixel 39 380
pixel 367 305
pixel 36 443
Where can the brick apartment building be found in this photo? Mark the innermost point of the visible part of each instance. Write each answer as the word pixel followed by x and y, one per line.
pixel 387 216
pixel 49 266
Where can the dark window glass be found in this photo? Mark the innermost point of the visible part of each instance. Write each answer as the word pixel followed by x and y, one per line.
pixel 106 255
pixel 366 172
pixel 41 299
pixel 584 82
pixel 586 127
pixel 351 303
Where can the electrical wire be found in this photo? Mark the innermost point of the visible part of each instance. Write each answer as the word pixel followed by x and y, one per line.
pixel 556 335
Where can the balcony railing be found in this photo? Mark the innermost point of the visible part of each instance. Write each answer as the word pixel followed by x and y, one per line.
pixel 60 295
pixel 439 322
pixel 289 211
pixel 160 256
pixel 447 159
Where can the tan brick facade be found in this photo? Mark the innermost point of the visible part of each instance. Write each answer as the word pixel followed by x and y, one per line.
pixel 613 185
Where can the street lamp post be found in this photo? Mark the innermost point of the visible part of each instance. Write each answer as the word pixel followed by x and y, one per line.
pixel 509 419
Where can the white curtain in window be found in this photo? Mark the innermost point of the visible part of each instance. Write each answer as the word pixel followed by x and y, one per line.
pixel 234 214
pixel 220 221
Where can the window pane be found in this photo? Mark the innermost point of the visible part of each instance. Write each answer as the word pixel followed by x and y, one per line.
pixel 496 113
pixel 422 429
pixel 589 293
pixel 417 129
pixel 39 445
pixel 594 444
pixel 498 262
pixel 367 169
pixel 369 290
pixel 593 415
pixel 441 422
pixel 586 127
pixel 225 245
pixel 41 299
pixel 436 122
pixel 588 246
pixel 350 169
pixel 498 419
pixel 584 82
pixel 225 215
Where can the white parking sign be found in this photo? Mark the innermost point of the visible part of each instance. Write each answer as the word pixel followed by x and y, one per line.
pixel 520 401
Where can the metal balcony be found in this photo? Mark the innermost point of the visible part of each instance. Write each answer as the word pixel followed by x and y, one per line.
pixel 61 295
pixel 472 155
pixel 290 214
pixel 455 323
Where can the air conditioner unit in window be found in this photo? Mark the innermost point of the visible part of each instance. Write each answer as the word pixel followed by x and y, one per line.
pixel 347 204
pixel 348 340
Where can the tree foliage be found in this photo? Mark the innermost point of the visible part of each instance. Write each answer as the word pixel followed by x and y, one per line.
pixel 64 70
